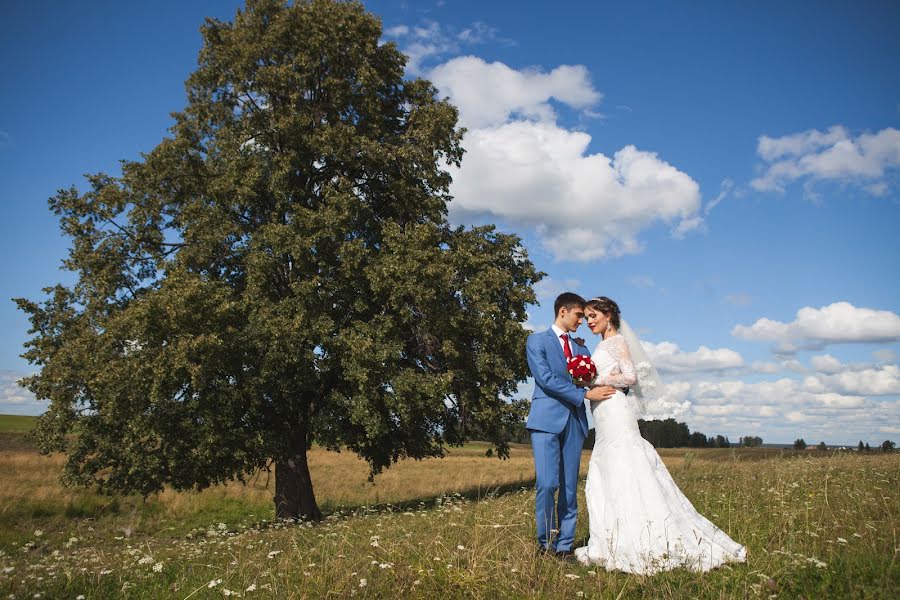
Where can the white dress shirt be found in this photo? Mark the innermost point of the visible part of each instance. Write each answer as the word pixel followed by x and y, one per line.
pixel 562 342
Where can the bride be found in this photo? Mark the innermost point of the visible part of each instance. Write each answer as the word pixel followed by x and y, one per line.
pixel 639 520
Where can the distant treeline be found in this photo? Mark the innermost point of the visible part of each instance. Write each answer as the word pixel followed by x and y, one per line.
pixel 662 434
pixel 673 434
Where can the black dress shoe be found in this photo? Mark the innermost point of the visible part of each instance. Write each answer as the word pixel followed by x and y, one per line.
pixel 542 550
pixel 566 555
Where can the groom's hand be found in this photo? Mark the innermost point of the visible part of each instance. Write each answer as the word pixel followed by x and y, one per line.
pixel 600 393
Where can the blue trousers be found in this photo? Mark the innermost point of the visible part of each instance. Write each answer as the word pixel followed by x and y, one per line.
pixel 557 457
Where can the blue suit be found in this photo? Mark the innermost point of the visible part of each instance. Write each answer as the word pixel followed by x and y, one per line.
pixel 558 425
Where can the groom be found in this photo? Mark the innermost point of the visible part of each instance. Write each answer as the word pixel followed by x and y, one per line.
pixel 558 423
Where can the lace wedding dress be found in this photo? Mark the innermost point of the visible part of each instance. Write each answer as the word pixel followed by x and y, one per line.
pixel 640 522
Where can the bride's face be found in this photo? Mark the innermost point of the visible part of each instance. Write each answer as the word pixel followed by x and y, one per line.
pixel 597 322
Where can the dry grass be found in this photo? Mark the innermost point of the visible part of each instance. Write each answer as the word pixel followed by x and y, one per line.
pixel 815 525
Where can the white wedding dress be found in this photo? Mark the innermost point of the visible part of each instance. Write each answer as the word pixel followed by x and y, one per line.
pixel 640 522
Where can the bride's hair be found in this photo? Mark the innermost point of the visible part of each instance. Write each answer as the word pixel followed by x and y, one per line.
pixel 608 307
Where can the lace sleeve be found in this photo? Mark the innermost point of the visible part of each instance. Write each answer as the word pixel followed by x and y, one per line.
pixel 625 375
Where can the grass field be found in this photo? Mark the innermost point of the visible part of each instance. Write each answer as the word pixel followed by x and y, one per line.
pixel 816 526
pixel 16 423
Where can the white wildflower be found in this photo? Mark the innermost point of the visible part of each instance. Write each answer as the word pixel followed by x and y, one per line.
pixel 251 588
pixel 460 547
pixel 158 567
pixel 146 560
pixel 213 583
pixel 841 540
pixel 572 576
pixel 274 553
pixel 363 582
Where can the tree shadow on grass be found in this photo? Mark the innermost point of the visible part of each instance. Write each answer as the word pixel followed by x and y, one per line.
pixel 473 494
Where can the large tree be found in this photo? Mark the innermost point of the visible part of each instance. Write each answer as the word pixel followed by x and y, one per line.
pixel 280 272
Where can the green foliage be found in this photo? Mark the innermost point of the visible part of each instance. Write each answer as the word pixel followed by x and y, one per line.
pixel 665 434
pixel 750 441
pixel 278 272
pixel 799 444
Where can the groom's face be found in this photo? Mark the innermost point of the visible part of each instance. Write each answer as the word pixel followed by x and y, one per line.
pixel 571 317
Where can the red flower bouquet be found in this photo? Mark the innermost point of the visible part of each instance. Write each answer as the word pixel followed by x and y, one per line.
pixel 582 369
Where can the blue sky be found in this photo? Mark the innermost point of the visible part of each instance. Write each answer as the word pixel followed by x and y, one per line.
pixel 728 172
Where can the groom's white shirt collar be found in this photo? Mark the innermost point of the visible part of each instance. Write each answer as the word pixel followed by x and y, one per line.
pixel 558 333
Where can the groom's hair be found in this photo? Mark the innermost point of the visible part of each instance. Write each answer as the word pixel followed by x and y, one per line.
pixel 567 300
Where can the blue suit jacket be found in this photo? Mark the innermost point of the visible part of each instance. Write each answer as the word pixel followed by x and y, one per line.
pixel 555 396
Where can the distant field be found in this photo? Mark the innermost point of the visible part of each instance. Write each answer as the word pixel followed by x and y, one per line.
pixel 16 423
pixel 816 524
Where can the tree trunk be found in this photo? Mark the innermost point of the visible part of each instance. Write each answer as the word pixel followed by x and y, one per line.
pixel 294 498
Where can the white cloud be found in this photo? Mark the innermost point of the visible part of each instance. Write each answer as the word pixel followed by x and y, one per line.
pixel 521 166
pixel 834 155
pixel 16 400
pixel 726 188
pixel 786 409
pixel 397 31
pixel 423 42
pixel 430 41
pixel 669 358
pixel 478 33
pixel 765 367
pixel 826 363
pixel 583 206
pixel 490 94
pixel 838 323
pixel 881 381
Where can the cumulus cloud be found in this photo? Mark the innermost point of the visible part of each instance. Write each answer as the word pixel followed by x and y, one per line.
pixel 759 366
pixel 523 167
pixel 881 381
pixel 583 206
pixel 787 408
pixel 838 323
pixel 490 94
pixel 669 358
pixel 826 363
pixel 834 155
